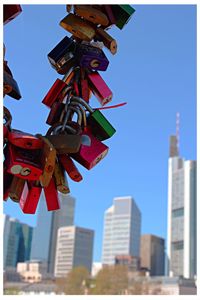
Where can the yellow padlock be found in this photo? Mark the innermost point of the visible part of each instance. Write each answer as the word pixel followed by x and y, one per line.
pixel 61 179
pixel 78 27
pixel 91 14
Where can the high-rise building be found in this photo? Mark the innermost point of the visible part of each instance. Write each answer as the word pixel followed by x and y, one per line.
pixel 17 242
pixel 122 227
pixel 60 218
pixel 74 248
pixel 42 232
pixel 45 233
pixel 181 244
pixel 152 254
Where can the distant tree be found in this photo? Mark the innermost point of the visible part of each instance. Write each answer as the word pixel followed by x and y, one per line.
pixel 111 280
pixel 73 283
pixel 11 291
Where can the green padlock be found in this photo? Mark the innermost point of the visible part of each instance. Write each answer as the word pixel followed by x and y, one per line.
pixel 100 126
pixel 122 14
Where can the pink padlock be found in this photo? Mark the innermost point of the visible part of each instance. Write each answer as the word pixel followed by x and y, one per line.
pixel 99 88
pixel 89 155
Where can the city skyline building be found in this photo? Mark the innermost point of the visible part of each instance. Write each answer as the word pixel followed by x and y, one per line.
pixel 152 254
pixel 122 227
pixel 45 232
pixel 74 248
pixel 17 238
pixel 181 239
pixel 40 246
pixel 60 218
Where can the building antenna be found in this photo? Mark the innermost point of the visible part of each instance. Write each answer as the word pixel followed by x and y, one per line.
pixel 178 130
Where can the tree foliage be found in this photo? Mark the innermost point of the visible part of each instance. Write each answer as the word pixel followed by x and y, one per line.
pixel 73 284
pixel 111 280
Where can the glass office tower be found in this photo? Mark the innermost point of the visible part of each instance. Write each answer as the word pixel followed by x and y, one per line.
pixel 122 227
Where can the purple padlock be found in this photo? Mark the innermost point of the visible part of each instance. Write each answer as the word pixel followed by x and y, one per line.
pixel 91 57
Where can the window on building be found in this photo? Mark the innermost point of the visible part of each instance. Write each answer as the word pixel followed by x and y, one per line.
pixel 177 245
pixel 177 212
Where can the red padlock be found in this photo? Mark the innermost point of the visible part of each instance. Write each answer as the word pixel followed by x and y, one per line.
pixel 55 113
pixel 51 195
pixel 10 12
pixel 70 167
pixel 24 140
pixel 99 88
pixel 55 93
pixel 89 155
pixel 23 163
pixel 85 91
pixel 30 197
pixel 5 131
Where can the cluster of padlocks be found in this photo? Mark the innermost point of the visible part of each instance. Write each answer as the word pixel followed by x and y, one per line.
pixel 77 131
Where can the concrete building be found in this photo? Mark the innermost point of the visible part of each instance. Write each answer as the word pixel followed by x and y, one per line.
pixel 152 254
pixel 122 227
pixel 48 223
pixel 96 267
pixel 17 242
pixel 181 244
pixel 131 262
pixel 32 271
pixel 74 248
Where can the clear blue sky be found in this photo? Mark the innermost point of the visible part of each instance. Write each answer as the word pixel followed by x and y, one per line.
pixel 154 71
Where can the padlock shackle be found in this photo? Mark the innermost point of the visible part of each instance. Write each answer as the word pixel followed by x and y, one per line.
pixel 57 127
pixel 69 109
pixel 67 74
pixel 67 127
pixel 72 69
pixel 83 102
pixel 74 104
pixel 74 109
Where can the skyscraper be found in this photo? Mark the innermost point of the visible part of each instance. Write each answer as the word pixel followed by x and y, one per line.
pixel 122 226
pixel 152 254
pixel 74 248
pixel 42 232
pixel 60 218
pixel 45 233
pixel 181 244
pixel 17 242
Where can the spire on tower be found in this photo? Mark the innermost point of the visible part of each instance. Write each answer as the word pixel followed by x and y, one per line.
pixel 178 130
pixel 174 139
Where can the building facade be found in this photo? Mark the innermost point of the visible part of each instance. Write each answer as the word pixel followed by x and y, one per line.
pixel 42 232
pixel 152 254
pixel 60 218
pixel 74 248
pixel 32 271
pixel 17 242
pixel 131 262
pixel 45 233
pixel 122 227
pixel 181 247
